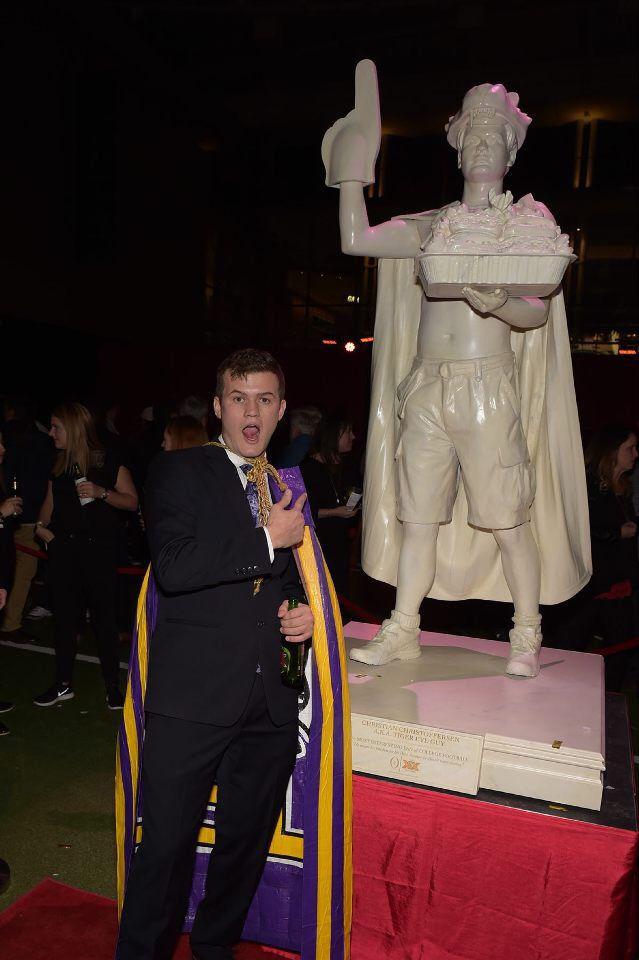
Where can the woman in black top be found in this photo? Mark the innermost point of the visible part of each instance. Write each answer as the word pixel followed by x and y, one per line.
pixel 10 508
pixel 79 524
pixel 606 604
pixel 328 483
pixel 610 459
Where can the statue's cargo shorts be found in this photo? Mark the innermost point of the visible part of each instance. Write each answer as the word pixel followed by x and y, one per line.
pixel 463 416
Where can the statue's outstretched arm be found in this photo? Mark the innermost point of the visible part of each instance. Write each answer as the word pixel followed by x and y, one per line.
pixel 349 152
pixel 525 313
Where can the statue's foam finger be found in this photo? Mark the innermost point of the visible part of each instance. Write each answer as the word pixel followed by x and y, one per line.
pixel 367 98
pixel 366 94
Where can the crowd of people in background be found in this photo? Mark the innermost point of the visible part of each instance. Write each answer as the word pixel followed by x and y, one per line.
pixel 72 492
pixel 72 488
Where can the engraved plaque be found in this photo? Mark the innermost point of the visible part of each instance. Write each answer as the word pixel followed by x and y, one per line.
pixel 417 754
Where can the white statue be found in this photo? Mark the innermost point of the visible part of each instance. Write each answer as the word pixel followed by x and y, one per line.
pixel 478 388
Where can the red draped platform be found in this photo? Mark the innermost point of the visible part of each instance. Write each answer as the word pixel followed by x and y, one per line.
pixel 443 877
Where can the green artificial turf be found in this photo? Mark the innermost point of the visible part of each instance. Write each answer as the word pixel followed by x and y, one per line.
pixel 56 778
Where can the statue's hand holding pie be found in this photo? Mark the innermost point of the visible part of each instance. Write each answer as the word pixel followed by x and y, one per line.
pixel 485 301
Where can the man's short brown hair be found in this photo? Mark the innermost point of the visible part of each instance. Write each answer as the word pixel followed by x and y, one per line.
pixel 248 360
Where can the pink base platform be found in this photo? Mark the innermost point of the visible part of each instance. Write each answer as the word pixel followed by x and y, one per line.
pixel 543 737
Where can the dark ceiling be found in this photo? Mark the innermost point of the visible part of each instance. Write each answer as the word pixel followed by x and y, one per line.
pixel 291 64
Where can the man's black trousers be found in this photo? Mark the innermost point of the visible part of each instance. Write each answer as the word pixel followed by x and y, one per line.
pixel 251 762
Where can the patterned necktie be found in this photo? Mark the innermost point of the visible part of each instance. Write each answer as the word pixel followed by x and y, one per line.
pixel 253 502
pixel 251 493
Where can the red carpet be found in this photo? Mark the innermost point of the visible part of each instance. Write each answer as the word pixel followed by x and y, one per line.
pixel 56 922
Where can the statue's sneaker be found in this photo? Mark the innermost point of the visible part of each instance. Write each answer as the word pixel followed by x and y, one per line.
pixel 391 642
pixel 525 644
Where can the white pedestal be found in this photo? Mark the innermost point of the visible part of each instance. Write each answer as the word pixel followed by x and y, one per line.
pixel 543 737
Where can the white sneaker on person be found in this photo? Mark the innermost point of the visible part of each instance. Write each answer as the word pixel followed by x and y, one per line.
pixel 38 613
pixel 55 694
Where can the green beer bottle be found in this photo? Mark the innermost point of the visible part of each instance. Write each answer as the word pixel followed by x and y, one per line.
pixel 292 657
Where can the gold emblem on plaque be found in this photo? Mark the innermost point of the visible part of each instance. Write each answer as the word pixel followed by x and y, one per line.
pixel 411 765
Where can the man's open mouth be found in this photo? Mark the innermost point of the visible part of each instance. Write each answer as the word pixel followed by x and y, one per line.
pixel 251 433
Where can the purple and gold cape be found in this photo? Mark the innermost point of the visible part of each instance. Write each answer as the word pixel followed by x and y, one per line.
pixel 303 902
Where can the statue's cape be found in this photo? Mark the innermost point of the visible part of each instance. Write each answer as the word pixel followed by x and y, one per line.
pixel 303 902
pixel 468 561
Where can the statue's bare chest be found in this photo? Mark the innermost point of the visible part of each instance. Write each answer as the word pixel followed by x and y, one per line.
pixel 452 330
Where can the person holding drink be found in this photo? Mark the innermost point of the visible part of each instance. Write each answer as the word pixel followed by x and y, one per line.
pixel 217 711
pixel 79 525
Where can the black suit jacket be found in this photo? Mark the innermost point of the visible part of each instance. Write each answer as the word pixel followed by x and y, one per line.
pixel 211 630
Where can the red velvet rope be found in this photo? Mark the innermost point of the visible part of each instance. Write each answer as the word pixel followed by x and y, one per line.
pixel 354 608
pixel 139 572
pixel 40 555
pixel 348 604
pixel 630 644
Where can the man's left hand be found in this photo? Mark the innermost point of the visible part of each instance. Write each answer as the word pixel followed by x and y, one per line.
pixel 485 301
pixel 297 624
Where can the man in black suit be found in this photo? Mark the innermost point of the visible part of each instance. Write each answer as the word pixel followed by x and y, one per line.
pixel 216 707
